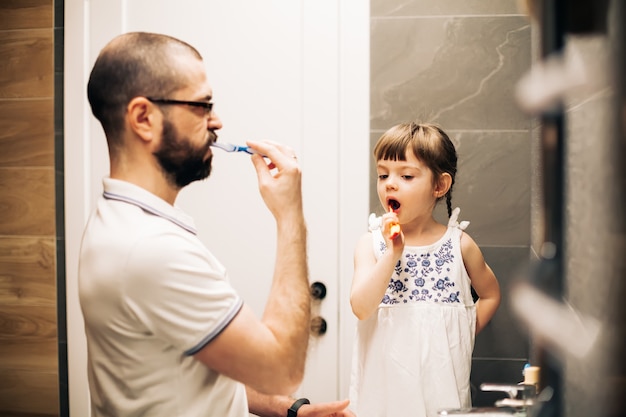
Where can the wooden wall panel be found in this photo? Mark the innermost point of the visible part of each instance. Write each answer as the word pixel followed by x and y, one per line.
pixel 38 323
pixel 25 14
pixel 27 201
pixel 28 339
pixel 28 393
pixel 31 355
pixel 26 127
pixel 29 382
pixel 27 63
pixel 27 271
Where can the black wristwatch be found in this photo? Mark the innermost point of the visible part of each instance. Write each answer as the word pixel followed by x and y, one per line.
pixel 293 410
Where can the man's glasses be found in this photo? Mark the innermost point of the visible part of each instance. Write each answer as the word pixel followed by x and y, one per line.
pixel 206 105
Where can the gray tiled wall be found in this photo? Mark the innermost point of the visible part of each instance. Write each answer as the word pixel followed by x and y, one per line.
pixel 456 63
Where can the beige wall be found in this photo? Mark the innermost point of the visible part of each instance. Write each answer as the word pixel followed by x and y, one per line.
pixel 28 297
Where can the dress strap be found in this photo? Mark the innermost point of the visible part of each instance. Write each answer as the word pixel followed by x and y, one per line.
pixel 453 220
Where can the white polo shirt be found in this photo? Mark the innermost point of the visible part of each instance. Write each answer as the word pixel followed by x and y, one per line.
pixel 152 295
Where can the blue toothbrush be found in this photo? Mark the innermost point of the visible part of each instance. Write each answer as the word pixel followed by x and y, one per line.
pixel 228 147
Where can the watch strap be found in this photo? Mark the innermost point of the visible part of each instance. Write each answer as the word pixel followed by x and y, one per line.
pixel 293 410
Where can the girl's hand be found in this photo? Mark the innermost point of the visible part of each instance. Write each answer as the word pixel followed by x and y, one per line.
pixel 392 232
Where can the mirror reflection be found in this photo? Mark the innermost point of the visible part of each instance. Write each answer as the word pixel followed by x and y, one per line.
pixel 456 64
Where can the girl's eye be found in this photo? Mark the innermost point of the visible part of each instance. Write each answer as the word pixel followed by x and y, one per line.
pixel 382 176
pixel 407 177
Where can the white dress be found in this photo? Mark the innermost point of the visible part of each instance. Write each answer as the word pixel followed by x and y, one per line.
pixel 413 356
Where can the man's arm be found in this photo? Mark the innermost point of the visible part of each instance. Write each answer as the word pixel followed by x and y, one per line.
pixel 269 354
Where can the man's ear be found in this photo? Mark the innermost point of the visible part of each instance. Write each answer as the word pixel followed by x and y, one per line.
pixel 443 185
pixel 142 118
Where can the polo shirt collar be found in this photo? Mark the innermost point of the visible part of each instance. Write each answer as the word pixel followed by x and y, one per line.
pixel 132 194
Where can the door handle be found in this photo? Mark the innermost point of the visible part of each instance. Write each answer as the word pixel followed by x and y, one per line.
pixel 318 326
pixel 318 290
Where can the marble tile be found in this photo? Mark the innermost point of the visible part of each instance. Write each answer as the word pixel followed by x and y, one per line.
pixel 504 337
pixel 450 7
pixel 457 71
pixel 492 186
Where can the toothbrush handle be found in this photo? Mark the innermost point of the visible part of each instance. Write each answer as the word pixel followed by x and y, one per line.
pixel 244 149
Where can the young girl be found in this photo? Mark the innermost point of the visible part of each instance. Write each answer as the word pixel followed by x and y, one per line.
pixel 411 289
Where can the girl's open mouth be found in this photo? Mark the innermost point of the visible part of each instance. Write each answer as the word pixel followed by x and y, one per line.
pixel 394 204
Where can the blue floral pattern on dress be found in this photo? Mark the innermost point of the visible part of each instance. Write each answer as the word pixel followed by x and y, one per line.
pixel 423 277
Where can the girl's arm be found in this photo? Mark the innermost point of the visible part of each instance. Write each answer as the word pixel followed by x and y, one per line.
pixel 483 281
pixel 371 277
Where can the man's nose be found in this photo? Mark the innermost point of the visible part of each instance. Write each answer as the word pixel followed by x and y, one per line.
pixel 214 122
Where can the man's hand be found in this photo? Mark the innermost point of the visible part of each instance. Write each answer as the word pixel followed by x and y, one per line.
pixel 330 409
pixel 279 177
pixel 277 406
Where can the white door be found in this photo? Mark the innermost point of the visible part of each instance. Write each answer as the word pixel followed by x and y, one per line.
pixel 290 71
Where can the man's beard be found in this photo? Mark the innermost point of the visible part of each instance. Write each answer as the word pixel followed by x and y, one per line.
pixel 181 162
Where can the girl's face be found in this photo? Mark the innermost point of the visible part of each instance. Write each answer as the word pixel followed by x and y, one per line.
pixel 407 187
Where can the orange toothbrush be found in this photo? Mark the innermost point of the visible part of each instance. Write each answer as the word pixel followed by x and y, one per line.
pixel 394 230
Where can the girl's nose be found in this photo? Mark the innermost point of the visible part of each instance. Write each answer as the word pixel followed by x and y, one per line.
pixel 391 185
